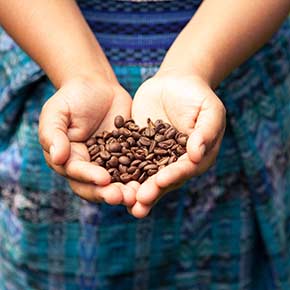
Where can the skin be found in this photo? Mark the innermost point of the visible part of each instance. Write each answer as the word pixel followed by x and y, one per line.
pixel 192 68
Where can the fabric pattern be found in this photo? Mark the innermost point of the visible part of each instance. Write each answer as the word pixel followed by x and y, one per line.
pixel 226 230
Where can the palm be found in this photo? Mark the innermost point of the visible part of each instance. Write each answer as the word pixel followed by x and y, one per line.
pixel 192 107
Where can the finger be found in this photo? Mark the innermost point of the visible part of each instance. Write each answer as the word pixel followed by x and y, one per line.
pixel 140 210
pixel 208 129
pixel 57 168
pixel 176 173
pixel 148 192
pixel 129 195
pixel 111 194
pixel 53 125
pixel 87 172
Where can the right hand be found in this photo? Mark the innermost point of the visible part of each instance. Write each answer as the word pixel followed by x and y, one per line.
pixel 80 108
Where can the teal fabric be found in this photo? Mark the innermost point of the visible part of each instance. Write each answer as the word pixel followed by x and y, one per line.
pixel 225 230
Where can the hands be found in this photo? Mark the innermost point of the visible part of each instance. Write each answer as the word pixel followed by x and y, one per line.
pixel 83 107
pixel 188 103
pixel 80 108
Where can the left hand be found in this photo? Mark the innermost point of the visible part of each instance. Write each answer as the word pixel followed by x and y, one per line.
pixel 190 105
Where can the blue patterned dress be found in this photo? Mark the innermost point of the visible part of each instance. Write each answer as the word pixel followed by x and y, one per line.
pixel 226 230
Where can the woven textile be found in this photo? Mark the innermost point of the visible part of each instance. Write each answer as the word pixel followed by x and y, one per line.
pixel 226 230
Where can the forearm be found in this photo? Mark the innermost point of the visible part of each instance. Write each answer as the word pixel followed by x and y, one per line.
pixel 55 34
pixel 222 35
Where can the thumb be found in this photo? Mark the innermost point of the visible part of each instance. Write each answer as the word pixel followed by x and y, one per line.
pixel 208 130
pixel 53 125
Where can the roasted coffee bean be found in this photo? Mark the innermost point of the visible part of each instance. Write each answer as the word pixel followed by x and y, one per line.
pixel 150 156
pixel 117 154
pixel 113 162
pixel 131 141
pixel 136 174
pixel 122 168
pixel 119 121
pixel 115 133
pixel 101 141
pixel 93 157
pixel 125 144
pixel 167 144
pixel 160 151
pixel 143 177
pixel 152 146
pixel 133 127
pixel 124 150
pixel 151 172
pixel 131 156
pixel 124 160
pixel 150 166
pixel 181 140
pixel 133 153
pixel 105 155
pixel 135 162
pixel 163 161
pixel 170 133
pixel 136 135
pixel 180 150
pixel 91 141
pixel 131 169
pixel 172 159
pixel 100 161
pixel 115 147
pixel 125 177
pixel 143 164
pixel 159 138
pixel 149 132
pixel 107 135
pixel 145 141
pixel 94 149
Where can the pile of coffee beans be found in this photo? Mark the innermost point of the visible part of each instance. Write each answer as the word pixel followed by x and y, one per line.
pixel 133 153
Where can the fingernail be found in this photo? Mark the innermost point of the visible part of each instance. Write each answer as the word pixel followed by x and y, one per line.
pixel 202 149
pixel 52 151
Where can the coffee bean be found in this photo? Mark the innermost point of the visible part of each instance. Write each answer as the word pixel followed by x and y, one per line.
pixel 182 140
pixel 115 133
pixel 159 137
pixel 167 144
pixel 149 132
pixel 136 135
pixel 101 141
pixel 131 141
pixel 131 169
pixel 172 159
pixel 143 164
pixel 91 141
pixel 170 133
pixel 136 174
pixel 150 156
pixel 122 168
pixel 119 121
pixel 150 166
pixel 151 172
pixel 145 141
pixel 163 161
pixel 133 153
pixel 93 149
pixel 125 177
pixel 113 162
pixel 135 162
pixel 160 151
pixel 115 147
pixel 105 155
pixel 143 177
pixel 124 160
pixel 152 146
